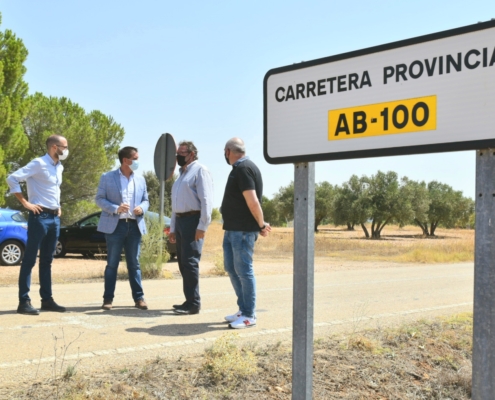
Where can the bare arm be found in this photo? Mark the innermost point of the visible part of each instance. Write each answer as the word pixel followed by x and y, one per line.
pixel 255 208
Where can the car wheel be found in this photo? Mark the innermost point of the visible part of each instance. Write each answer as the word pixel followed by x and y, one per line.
pixel 11 253
pixel 60 249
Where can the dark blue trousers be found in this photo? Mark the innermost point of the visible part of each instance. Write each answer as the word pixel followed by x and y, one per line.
pixel 188 256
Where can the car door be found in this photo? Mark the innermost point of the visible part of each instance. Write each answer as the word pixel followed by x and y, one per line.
pixel 3 227
pixel 89 239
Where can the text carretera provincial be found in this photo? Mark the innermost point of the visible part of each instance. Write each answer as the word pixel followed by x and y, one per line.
pixel 440 65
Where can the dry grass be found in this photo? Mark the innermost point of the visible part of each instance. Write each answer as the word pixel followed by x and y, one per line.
pixel 402 245
pixel 398 245
pixel 421 360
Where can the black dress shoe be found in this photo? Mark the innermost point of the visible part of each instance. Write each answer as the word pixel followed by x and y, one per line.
pixel 182 306
pixel 50 305
pixel 189 310
pixel 27 308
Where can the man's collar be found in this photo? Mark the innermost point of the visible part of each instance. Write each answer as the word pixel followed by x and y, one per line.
pixel 186 167
pixel 50 159
pixel 121 174
pixel 240 160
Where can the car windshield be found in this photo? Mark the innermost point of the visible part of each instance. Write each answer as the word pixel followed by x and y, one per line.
pixel 18 217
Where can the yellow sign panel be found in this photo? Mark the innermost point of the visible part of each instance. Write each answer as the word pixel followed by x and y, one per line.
pixel 401 116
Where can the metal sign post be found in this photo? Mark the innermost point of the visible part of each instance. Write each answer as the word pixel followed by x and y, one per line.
pixel 433 93
pixel 484 278
pixel 303 297
pixel 164 162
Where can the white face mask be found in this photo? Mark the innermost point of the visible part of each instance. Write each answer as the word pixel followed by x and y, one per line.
pixel 135 165
pixel 63 156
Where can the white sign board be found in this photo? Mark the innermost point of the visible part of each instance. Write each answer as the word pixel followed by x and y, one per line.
pixel 428 94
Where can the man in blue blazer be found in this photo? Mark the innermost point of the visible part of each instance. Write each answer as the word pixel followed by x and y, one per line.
pixel 123 198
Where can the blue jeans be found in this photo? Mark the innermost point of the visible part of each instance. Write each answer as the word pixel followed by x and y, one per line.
pixel 188 257
pixel 238 249
pixel 43 231
pixel 128 236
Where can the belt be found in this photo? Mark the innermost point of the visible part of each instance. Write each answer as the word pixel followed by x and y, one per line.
pixel 127 219
pixel 49 210
pixel 187 214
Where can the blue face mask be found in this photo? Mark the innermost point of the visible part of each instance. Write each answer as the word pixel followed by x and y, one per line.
pixel 135 165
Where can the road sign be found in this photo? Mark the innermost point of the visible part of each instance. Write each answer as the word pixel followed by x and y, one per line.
pixel 432 93
pixel 164 159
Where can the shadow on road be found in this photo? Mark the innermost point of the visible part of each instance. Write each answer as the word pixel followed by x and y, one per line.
pixel 181 329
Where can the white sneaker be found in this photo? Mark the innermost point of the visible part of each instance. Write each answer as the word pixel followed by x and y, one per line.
pixel 243 322
pixel 233 317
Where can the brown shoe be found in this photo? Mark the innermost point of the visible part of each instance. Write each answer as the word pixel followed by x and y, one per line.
pixel 141 304
pixel 107 305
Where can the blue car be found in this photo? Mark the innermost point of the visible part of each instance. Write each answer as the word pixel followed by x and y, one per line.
pixel 13 236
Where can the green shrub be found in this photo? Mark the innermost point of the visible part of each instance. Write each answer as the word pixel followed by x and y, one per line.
pixel 150 258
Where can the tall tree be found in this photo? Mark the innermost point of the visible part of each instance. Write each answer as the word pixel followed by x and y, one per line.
pixel 13 93
pixel 419 202
pixel 285 202
pixel 386 201
pixel 92 147
pixel 270 211
pixel 324 195
pixel 448 207
pixel 351 204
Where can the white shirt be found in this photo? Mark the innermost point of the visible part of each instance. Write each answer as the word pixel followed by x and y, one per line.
pixel 128 188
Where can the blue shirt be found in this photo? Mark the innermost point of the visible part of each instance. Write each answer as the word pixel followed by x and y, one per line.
pixel 43 178
pixel 128 187
pixel 193 191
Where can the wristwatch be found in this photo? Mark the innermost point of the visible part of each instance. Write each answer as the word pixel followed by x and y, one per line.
pixel 262 227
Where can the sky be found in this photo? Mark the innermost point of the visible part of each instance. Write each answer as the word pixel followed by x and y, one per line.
pixel 195 69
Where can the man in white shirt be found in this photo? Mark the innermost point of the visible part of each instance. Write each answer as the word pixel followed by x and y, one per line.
pixel 43 177
pixel 192 203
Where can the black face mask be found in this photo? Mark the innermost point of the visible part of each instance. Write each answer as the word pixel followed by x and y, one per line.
pixel 226 159
pixel 181 160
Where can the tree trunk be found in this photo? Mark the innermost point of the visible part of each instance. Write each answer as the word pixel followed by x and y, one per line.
pixel 350 227
pixel 423 226
pixel 433 226
pixel 317 222
pixel 365 230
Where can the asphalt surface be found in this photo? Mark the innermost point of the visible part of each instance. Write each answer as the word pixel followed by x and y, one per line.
pixel 39 347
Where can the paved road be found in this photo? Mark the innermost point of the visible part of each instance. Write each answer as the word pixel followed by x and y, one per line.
pixel 351 299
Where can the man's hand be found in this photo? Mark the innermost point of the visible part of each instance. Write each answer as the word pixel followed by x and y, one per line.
pixel 123 208
pixel 171 237
pixel 199 235
pixel 60 211
pixel 34 208
pixel 267 229
pixel 138 211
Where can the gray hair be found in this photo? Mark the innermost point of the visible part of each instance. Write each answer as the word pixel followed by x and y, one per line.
pixel 236 145
pixel 190 147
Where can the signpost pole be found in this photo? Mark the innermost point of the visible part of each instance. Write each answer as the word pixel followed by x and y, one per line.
pixel 303 297
pixel 162 178
pixel 484 278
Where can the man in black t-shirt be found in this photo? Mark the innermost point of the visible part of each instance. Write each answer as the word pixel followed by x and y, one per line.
pixel 242 221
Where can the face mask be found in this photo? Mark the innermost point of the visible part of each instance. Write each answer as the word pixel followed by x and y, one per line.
pixel 226 159
pixel 181 160
pixel 135 165
pixel 63 156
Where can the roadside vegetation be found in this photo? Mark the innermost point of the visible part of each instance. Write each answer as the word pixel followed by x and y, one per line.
pixel 428 359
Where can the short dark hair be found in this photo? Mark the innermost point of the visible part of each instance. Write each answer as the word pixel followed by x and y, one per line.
pixel 126 152
pixel 53 139
pixel 190 147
